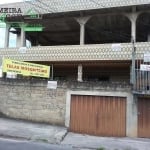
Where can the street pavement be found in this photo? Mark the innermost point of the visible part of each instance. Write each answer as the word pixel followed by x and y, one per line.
pixel 9 144
pixel 31 131
pixel 105 143
pixel 42 136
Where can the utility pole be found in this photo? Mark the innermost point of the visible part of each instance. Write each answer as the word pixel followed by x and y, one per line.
pixel 133 62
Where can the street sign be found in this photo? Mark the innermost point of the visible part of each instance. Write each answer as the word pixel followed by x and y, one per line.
pixel 147 57
pixel 52 85
pixel 144 67
pixel 116 47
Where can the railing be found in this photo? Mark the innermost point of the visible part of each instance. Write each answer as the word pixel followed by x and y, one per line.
pixel 142 84
pixel 142 76
pixel 76 52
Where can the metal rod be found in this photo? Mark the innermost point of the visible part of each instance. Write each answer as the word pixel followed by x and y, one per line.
pixel 52 70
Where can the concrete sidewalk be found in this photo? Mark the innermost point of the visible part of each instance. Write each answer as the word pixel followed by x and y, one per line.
pixel 31 131
pixel 104 143
pixel 55 135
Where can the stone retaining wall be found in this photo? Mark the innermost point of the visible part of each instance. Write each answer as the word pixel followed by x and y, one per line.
pixel 31 100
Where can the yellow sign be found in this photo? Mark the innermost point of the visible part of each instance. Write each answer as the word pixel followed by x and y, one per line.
pixel 26 69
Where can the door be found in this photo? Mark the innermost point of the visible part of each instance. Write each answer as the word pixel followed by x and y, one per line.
pixel 144 117
pixel 98 115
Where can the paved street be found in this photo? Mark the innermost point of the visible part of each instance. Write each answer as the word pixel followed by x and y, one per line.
pixel 106 143
pixel 43 135
pixel 31 131
pixel 8 144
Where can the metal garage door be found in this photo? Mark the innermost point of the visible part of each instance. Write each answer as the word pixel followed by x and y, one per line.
pixel 144 117
pixel 98 115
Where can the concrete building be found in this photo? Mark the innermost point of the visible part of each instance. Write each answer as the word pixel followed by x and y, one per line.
pixel 96 49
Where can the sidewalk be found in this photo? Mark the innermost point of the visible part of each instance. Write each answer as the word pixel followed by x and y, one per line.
pixel 31 131
pixel 104 143
pixel 55 135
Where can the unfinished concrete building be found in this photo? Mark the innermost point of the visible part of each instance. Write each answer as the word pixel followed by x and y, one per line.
pixel 96 49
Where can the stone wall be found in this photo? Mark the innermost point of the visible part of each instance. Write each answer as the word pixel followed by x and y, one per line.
pixel 31 100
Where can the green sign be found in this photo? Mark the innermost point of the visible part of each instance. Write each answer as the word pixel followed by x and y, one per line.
pixel 2 25
pixel 12 24
pixel 33 27
pixel 38 29
pixel 32 14
pixel 16 24
pixel 26 27
pixel 2 17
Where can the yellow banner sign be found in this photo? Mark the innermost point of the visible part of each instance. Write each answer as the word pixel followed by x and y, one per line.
pixel 26 69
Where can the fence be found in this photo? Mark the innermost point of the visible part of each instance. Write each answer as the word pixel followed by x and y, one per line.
pixel 141 83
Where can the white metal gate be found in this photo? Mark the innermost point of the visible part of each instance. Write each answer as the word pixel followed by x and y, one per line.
pixel 141 84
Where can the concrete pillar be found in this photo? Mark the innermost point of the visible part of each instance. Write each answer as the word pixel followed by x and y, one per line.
pixel 133 28
pixel 82 34
pixel 18 40
pixel 82 21
pixel 148 37
pixel 6 44
pixel 80 72
pixel 133 17
pixel 23 39
pixel 132 116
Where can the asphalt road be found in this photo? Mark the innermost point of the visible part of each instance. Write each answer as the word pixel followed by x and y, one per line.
pixel 9 144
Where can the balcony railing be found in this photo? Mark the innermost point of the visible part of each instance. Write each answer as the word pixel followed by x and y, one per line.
pixel 141 83
pixel 76 52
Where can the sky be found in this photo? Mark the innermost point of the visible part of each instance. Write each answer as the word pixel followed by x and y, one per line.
pixel 12 41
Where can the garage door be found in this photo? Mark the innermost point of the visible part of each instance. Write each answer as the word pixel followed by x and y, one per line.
pixel 98 115
pixel 144 117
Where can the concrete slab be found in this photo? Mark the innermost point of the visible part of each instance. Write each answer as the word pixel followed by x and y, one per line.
pixel 31 131
pixel 93 142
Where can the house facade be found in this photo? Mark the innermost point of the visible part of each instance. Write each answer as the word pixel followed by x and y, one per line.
pixel 95 50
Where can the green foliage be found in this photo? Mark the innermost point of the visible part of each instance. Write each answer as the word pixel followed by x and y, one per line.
pixel 42 140
pixel 101 148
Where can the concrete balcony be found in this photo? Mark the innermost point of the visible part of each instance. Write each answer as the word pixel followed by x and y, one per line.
pixel 76 52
